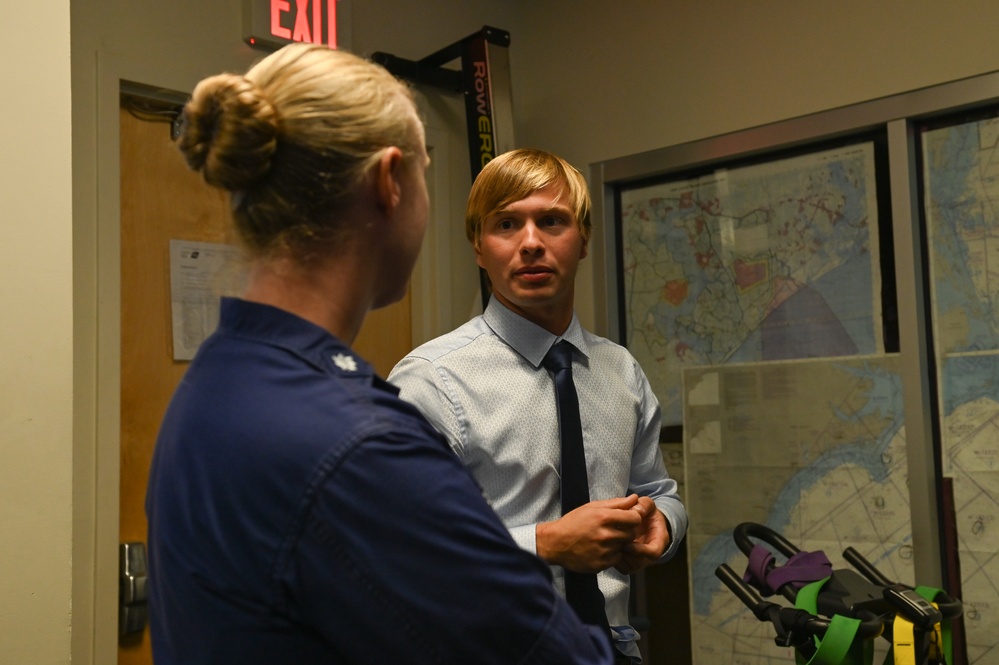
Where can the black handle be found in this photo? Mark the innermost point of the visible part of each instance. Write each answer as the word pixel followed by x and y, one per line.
pixel 790 620
pixel 744 533
pixel 949 606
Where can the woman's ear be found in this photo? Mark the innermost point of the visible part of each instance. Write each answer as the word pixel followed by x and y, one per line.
pixel 388 187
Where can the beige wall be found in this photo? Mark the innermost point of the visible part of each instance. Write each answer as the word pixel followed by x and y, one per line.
pixel 622 78
pixel 36 360
pixel 592 80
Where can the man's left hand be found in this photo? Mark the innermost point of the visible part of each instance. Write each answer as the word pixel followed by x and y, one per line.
pixel 650 542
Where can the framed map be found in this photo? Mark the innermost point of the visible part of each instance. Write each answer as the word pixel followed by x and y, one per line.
pixel 817 451
pixel 960 176
pixel 771 260
pixel 816 304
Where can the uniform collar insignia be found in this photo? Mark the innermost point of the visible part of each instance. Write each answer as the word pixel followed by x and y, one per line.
pixel 345 362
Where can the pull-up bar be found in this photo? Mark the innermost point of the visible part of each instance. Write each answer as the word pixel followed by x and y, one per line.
pixel 484 80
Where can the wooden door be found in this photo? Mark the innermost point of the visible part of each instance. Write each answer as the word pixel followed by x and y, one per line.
pixel 162 200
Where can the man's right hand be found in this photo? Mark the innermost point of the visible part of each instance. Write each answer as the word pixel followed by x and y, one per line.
pixel 589 539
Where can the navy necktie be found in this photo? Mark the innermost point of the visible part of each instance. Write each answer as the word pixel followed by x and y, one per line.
pixel 581 589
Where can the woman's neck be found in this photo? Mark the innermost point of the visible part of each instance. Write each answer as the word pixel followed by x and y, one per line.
pixel 332 295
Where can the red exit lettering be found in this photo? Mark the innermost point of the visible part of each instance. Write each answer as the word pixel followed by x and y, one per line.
pixel 305 22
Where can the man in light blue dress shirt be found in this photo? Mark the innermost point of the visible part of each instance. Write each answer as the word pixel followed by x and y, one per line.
pixel 483 386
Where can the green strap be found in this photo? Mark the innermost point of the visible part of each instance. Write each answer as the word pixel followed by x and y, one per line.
pixel 839 645
pixel 808 596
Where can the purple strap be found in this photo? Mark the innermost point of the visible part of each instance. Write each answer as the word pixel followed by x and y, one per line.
pixel 801 569
pixel 760 562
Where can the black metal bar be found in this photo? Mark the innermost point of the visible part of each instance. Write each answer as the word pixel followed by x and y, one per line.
pixel 417 72
pixel 743 531
pixel 474 81
pixel 866 568
pixel 429 70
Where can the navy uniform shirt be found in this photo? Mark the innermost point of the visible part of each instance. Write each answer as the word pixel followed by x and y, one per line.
pixel 299 512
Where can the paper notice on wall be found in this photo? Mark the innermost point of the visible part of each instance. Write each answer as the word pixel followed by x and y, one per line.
pixel 200 274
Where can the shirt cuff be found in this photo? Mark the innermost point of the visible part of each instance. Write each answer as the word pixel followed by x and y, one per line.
pixel 526 537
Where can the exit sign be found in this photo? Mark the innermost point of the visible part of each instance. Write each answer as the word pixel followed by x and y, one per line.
pixel 271 24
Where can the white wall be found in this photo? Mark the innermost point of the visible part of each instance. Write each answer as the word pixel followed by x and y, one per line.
pixel 592 80
pixel 36 328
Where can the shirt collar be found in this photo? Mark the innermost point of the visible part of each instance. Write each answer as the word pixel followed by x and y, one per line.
pixel 279 328
pixel 529 339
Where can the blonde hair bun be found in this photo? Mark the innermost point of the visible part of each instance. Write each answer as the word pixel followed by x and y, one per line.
pixel 229 132
pixel 293 138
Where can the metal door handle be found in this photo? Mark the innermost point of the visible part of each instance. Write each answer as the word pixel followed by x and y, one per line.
pixel 132 594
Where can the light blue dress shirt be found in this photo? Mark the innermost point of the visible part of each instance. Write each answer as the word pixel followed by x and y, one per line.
pixel 483 387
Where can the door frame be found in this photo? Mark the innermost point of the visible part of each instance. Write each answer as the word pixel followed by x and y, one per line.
pixel 96 476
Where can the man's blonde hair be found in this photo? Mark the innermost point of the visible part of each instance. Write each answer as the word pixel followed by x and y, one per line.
pixel 517 174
